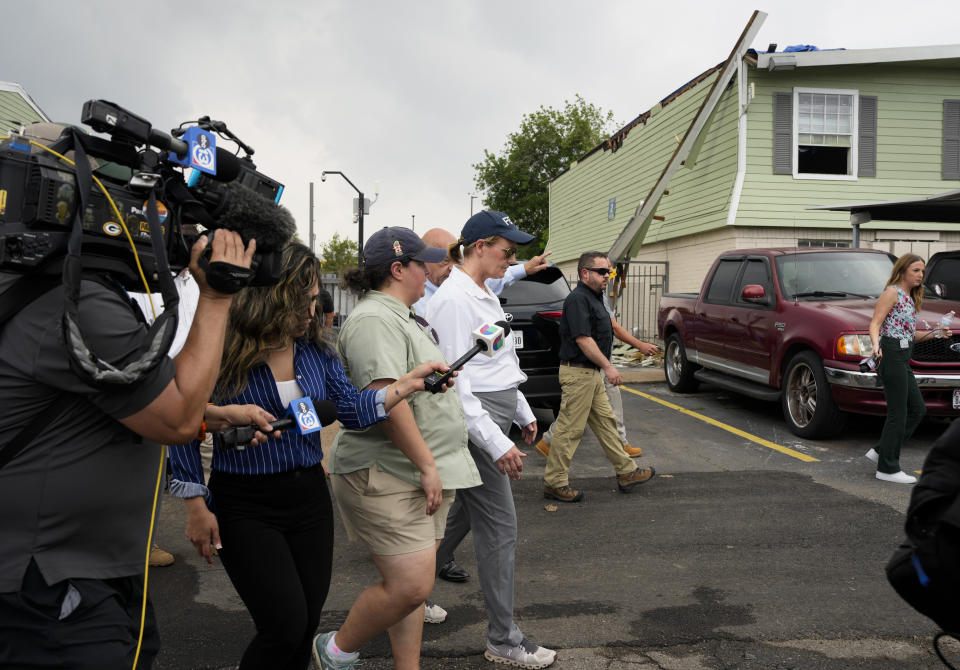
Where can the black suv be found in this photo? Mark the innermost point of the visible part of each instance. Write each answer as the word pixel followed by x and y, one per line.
pixel 533 306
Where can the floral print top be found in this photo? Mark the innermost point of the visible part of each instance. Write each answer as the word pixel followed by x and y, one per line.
pixel 901 322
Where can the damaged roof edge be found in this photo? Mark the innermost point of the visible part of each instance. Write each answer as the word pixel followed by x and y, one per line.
pixel 615 141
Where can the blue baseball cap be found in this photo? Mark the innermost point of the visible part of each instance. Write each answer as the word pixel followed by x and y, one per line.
pixel 488 223
pixel 399 244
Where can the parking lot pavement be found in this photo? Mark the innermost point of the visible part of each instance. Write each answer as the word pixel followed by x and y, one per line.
pixel 735 556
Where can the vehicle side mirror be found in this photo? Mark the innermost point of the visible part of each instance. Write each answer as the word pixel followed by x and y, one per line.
pixel 939 289
pixel 754 293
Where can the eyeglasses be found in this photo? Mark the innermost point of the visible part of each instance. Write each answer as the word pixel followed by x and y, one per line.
pixel 509 253
pixel 603 272
pixel 427 328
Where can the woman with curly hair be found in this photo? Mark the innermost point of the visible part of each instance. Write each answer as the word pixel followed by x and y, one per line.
pixel 266 508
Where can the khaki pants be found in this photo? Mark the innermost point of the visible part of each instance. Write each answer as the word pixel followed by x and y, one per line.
pixel 584 401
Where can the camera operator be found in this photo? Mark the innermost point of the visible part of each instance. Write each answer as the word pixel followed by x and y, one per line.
pixel 77 500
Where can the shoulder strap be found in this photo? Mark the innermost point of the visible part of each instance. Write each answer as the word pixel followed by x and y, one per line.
pixel 22 439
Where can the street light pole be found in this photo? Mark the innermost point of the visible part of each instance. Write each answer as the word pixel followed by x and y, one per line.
pixel 413 218
pixel 472 196
pixel 360 208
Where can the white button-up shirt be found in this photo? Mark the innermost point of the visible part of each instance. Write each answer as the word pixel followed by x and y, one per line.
pixel 456 309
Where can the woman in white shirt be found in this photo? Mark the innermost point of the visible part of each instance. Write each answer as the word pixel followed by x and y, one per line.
pixel 488 388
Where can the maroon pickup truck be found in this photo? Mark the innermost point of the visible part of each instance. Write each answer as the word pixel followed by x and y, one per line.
pixel 791 325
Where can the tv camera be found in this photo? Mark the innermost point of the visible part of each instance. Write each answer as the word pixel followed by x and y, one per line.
pixel 41 196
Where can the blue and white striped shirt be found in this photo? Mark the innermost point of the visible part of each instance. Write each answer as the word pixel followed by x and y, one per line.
pixel 320 376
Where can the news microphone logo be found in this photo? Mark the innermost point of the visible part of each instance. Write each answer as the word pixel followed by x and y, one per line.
pixel 492 336
pixel 488 339
pixel 305 415
pixel 201 151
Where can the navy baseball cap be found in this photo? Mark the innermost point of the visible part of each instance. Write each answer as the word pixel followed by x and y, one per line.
pixel 399 244
pixel 488 223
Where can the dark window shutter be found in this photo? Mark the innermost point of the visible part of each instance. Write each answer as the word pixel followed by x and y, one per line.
pixel 951 139
pixel 867 142
pixel 783 133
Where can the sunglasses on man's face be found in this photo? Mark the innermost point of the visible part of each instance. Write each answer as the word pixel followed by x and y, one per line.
pixel 603 272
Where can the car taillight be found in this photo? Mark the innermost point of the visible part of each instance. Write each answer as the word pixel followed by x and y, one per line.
pixel 553 314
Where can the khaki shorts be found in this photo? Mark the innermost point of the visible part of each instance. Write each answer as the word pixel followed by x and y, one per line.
pixel 387 513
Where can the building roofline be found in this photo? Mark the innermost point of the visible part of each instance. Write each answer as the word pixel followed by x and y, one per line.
pixel 17 88
pixel 860 56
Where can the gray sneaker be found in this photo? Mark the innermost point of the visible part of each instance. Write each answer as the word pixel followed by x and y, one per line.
pixel 320 655
pixel 524 655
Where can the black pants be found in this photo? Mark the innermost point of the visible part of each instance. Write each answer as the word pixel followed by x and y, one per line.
pixel 77 624
pixel 277 535
pixel 905 405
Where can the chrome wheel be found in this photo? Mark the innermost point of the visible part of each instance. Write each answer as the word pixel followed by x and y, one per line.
pixel 673 363
pixel 801 391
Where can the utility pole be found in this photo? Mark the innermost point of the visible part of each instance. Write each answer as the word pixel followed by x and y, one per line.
pixel 413 218
pixel 312 238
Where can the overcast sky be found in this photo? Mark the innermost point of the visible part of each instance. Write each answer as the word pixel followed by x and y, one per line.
pixel 404 95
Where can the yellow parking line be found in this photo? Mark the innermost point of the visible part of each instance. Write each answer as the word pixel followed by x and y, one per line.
pixel 730 429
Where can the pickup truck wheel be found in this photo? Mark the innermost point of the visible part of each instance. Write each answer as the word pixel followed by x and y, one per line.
pixel 808 405
pixel 679 371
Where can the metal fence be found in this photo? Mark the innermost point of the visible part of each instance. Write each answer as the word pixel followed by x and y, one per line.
pixel 343 301
pixel 643 284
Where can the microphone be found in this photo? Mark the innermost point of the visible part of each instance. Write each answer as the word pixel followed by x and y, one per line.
pixel 489 340
pixel 303 414
pixel 253 216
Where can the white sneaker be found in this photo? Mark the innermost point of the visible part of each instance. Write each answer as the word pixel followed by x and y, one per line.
pixel 897 477
pixel 872 455
pixel 524 655
pixel 433 613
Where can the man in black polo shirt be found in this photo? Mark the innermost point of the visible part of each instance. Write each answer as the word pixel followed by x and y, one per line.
pixel 586 337
pixel 78 495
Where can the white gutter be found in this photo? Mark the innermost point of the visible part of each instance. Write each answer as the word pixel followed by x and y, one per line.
pixel 861 56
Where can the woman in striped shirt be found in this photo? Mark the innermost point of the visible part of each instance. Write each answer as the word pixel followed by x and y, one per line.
pixel 267 509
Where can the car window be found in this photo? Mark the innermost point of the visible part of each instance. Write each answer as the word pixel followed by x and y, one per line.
pixel 756 272
pixel 722 282
pixel 546 286
pixel 849 272
pixel 946 272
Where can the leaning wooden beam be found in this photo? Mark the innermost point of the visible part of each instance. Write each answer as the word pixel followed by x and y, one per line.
pixel 636 228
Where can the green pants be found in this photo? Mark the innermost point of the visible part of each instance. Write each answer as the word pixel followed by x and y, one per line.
pixel 905 406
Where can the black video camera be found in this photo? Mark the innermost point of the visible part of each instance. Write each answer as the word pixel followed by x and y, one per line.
pixel 40 198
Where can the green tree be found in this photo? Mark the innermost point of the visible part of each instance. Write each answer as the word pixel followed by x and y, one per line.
pixel 548 140
pixel 339 255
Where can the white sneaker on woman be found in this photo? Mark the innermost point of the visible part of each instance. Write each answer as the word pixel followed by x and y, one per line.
pixel 524 655
pixel 897 477
pixel 433 613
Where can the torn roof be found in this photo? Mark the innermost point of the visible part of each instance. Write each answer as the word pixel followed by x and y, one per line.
pixel 615 141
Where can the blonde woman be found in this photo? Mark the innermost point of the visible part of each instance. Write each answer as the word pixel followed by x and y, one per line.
pixel 892 332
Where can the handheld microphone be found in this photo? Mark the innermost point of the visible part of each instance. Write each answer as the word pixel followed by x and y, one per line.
pixel 303 414
pixel 489 340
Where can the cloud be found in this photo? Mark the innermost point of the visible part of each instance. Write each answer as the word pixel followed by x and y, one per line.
pixel 407 95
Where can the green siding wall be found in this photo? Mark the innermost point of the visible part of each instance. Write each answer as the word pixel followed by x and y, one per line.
pixel 909 136
pixel 14 110
pixel 698 195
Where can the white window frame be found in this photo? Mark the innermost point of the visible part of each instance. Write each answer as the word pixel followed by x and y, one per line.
pixel 854 134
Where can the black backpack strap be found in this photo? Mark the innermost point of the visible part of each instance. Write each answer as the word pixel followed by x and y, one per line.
pixel 20 294
pixel 22 440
